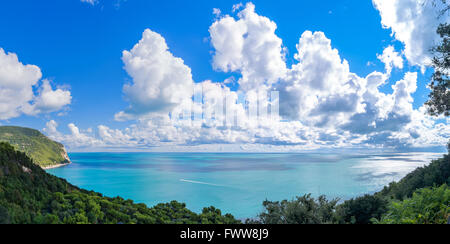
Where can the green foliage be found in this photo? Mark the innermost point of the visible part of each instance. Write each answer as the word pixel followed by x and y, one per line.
pixel 439 102
pixel 29 195
pixel 369 208
pixel 427 206
pixel 303 210
pixel 446 7
pixel 435 174
pixel 361 210
pixel 37 146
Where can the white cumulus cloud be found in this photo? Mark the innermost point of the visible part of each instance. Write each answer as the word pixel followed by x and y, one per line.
pixel 16 89
pixel 319 89
pixel 391 59
pixel 321 102
pixel 248 45
pixel 160 80
pixel 49 100
pixel 414 23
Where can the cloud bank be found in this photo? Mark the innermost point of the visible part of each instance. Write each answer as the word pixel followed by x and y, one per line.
pixel 322 104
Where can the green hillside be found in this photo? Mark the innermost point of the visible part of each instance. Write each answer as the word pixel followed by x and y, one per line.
pixel 40 148
pixel 435 174
pixel 29 195
pixel 422 197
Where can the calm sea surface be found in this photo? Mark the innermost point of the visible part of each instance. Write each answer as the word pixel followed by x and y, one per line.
pixel 235 183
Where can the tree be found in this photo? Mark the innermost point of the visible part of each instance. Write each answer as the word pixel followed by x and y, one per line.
pixel 303 210
pixel 435 174
pixel 427 206
pixel 446 7
pixel 361 210
pixel 4 216
pixel 439 102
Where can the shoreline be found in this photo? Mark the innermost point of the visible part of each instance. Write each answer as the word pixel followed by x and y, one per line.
pixel 55 166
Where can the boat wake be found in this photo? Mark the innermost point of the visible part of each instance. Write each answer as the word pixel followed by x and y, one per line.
pixel 201 183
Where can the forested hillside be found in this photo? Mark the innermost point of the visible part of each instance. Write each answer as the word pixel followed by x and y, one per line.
pixel 435 174
pixel 29 195
pixel 422 197
pixel 42 150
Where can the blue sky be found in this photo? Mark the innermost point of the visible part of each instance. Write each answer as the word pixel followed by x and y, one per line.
pixel 78 46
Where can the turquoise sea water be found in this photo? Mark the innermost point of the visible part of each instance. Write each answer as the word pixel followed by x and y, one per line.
pixel 235 183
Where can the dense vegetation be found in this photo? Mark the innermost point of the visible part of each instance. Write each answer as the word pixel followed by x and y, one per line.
pixel 29 195
pixel 435 174
pixel 37 146
pixel 422 197
pixel 427 206
pixel 303 210
pixel 361 210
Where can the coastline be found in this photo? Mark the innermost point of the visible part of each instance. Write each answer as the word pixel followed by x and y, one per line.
pixel 65 155
pixel 55 166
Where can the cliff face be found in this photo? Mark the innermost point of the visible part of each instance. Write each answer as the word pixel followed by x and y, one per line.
pixel 44 152
pixel 65 155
